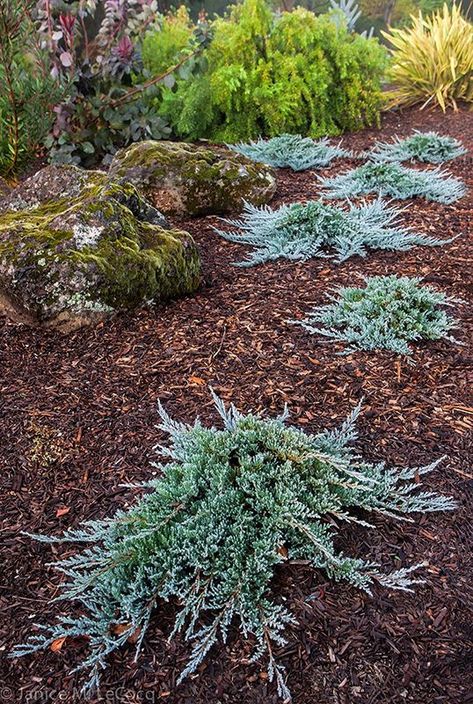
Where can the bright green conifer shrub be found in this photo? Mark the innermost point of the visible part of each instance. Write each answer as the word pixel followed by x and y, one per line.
pixel 389 313
pixel 268 74
pixel 230 506
pixel 301 231
pixel 427 147
pixel 395 181
pixel 291 150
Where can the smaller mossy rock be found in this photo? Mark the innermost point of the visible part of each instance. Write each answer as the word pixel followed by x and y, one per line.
pixel 185 179
pixel 86 247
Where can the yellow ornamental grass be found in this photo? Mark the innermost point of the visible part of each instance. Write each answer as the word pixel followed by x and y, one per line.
pixel 432 60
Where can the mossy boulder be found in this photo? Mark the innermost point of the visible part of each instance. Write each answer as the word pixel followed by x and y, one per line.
pixel 75 246
pixel 187 179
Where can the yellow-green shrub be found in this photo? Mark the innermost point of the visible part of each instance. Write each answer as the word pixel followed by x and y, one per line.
pixel 433 60
pixel 161 48
pixel 267 74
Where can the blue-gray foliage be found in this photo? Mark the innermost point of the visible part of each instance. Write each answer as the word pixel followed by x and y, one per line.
pixel 301 231
pixel 230 505
pixel 429 147
pixel 291 150
pixel 349 9
pixel 395 181
pixel 389 313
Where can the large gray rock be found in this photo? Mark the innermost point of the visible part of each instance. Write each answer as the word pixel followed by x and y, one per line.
pixel 186 179
pixel 75 247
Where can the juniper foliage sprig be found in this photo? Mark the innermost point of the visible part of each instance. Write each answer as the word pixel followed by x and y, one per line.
pixel 291 150
pixel 301 231
pixel 395 181
pixel 428 147
pixel 231 504
pixel 389 313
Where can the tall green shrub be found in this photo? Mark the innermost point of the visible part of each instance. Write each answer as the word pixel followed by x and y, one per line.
pixel 27 91
pixel 268 74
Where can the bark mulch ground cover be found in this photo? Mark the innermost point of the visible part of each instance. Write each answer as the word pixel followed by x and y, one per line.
pixel 78 416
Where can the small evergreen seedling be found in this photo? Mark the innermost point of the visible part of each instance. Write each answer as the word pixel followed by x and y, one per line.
pixel 229 506
pixel 291 150
pixel 387 314
pixel 428 147
pixel 395 181
pixel 301 231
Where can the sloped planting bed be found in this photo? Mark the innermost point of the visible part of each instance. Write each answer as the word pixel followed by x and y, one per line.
pixel 78 423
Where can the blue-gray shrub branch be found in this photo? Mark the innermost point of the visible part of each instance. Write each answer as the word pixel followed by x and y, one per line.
pixel 230 505
pixel 388 313
pixel 301 231
pixel 350 11
pixel 395 181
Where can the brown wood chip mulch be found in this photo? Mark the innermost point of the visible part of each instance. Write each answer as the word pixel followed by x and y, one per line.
pixel 78 416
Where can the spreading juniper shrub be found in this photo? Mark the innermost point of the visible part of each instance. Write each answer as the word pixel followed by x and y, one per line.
pixel 389 313
pixel 231 504
pixel 291 150
pixel 428 147
pixel 395 181
pixel 301 231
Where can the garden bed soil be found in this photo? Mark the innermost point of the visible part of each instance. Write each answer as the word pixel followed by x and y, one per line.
pixel 78 421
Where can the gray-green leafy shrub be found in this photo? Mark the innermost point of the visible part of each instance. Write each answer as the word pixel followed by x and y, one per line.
pixel 301 231
pixel 395 181
pixel 427 147
pixel 230 506
pixel 291 150
pixel 387 314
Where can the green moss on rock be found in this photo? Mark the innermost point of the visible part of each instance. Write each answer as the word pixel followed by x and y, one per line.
pixel 89 252
pixel 188 179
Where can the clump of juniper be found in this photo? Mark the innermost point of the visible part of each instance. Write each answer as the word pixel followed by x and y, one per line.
pixel 291 150
pixel 395 181
pixel 229 506
pixel 427 147
pixel 301 231
pixel 387 314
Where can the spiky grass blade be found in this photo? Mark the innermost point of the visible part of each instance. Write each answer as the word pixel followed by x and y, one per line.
pixel 291 150
pixel 230 506
pixel 427 147
pixel 395 181
pixel 432 60
pixel 315 229
pixel 388 313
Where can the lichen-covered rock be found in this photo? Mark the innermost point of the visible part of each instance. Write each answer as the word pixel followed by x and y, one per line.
pixel 51 183
pixel 4 188
pixel 182 178
pixel 75 247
